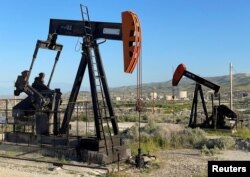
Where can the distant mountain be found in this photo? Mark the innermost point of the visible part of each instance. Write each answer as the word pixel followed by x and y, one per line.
pixel 241 82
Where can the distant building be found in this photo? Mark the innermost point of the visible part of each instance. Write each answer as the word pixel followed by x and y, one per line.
pixel 117 98
pixel 169 97
pixel 161 97
pixel 153 95
pixel 183 95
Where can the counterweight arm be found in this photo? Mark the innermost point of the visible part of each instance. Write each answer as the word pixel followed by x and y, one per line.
pixel 182 71
pixel 106 30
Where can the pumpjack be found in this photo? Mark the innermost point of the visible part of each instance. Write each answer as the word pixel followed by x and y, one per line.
pixel 219 112
pixel 41 107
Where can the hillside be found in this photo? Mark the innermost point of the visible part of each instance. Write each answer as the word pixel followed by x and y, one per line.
pixel 241 82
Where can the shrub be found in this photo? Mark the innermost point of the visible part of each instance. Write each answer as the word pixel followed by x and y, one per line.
pixel 214 146
pixel 176 140
pixel 127 118
pixel 81 117
pixel 155 137
pixel 178 120
pixel 209 152
pixel 151 127
pixel 225 142
pixel 132 133
pixel 116 174
pixel 145 118
pixel 243 132
pixel 188 138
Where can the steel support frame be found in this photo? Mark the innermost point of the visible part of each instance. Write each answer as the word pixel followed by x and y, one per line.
pixel 105 89
pixel 74 92
pixel 87 61
pixel 193 115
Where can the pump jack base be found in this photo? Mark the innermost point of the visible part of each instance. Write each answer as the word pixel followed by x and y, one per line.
pixel 87 149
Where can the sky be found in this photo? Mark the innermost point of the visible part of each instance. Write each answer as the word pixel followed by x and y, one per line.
pixel 204 35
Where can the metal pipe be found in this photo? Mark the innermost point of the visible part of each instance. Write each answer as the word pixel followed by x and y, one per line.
pixel 6 111
pixel 231 85
pixel 54 66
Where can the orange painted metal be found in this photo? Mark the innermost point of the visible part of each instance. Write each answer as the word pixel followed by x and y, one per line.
pixel 179 72
pixel 131 36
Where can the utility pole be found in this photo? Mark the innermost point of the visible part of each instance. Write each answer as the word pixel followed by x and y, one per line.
pixel 173 106
pixel 173 97
pixel 231 85
pixel 14 94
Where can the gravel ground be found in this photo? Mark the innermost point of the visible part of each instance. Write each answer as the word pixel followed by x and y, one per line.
pixel 187 163
pixel 20 168
pixel 172 163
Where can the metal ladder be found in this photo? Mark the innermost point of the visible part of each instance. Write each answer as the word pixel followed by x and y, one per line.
pixel 86 20
pixel 100 97
pixel 102 105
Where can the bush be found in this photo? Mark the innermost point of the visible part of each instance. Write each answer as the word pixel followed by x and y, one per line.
pixel 196 136
pixel 132 133
pixel 214 146
pixel 81 117
pixel 223 143
pixel 145 118
pixel 243 132
pixel 155 137
pixel 150 128
pixel 178 120
pixel 127 118
pixel 188 138
pixel 209 152
pixel 177 140
pixel 116 174
pixel 226 142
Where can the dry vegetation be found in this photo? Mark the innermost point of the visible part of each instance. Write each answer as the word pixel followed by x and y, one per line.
pixel 180 151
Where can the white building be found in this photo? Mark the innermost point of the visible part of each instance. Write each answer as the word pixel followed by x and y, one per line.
pixel 117 98
pixel 169 97
pixel 153 95
pixel 183 95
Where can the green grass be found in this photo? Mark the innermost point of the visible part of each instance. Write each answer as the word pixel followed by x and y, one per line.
pixel 211 132
pixel 9 153
pixel 148 146
pixel 243 132
pixel 117 174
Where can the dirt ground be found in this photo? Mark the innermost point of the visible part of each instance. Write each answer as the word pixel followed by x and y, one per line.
pixel 169 163
pixel 172 163
pixel 191 163
pixel 20 168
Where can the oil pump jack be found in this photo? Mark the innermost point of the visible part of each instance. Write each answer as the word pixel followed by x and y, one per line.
pixel 42 103
pixel 219 112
